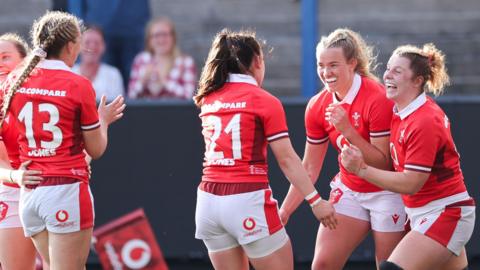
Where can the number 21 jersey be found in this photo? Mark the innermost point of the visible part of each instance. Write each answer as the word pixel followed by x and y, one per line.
pixel 238 121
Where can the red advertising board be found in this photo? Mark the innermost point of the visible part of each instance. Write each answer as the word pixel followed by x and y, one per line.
pixel 128 243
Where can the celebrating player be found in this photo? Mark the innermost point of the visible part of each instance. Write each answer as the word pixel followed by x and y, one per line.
pixel 236 215
pixel 351 109
pixel 13 50
pixel 427 168
pixel 57 120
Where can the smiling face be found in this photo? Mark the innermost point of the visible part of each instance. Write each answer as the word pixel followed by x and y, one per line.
pixel 401 86
pixel 92 46
pixel 161 38
pixel 9 58
pixel 335 71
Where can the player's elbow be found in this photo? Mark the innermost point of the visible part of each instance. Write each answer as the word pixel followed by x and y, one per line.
pixel 95 150
pixel 412 188
pixel 287 161
pixel 95 142
pixel 96 153
pixel 413 181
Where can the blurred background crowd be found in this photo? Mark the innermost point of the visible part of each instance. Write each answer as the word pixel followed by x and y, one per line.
pixel 174 35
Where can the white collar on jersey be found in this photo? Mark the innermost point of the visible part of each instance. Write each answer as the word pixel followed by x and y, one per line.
pixel 413 106
pixel 352 92
pixel 241 78
pixel 53 64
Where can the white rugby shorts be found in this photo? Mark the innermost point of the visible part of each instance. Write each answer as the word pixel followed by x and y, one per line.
pixel 383 209
pixel 58 208
pixel 9 217
pixel 227 221
pixel 449 221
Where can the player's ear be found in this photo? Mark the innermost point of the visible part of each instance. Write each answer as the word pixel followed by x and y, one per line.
pixel 418 81
pixel 257 61
pixel 353 63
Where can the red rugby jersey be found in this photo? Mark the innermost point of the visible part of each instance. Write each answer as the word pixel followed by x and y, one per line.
pixel 52 108
pixel 369 111
pixel 238 121
pixel 10 139
pixel 9 136
pixel 422 141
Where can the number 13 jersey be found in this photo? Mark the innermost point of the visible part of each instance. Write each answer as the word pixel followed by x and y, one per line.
pixel 238 121
pixel 52 108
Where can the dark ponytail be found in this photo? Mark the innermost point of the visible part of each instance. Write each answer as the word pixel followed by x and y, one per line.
pixel 231 52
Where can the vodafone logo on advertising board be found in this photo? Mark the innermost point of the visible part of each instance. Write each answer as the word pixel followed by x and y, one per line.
pixel 135 254
pixel 129 243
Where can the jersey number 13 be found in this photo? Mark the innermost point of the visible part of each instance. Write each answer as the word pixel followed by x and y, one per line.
pixel 26 116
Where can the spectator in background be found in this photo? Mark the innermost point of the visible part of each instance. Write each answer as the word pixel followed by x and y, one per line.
pixel 162 71
pixel 123 23
pixel 106 79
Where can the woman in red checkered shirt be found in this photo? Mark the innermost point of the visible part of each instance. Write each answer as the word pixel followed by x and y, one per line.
pixel 162 71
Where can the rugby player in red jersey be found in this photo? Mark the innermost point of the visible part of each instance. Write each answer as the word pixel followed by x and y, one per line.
pixel 13 49
pixel 351 109
pixel 57 121
pixel 427 168
pixel 236 215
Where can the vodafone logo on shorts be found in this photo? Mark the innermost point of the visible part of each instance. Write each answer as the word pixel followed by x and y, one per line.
pixel 136 254
pixel 249 224
pixel 61 215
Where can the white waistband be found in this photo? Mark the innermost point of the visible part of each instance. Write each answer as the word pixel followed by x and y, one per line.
pixel 440 203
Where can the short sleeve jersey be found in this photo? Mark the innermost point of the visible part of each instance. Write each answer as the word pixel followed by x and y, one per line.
pixel 52 108
pixel 238 121
pixel 10 137
pixel 422 141
pixel 369 112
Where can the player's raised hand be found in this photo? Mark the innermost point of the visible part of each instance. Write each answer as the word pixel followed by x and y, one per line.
pixel 111 112
pixel 352 158
pixel 337 116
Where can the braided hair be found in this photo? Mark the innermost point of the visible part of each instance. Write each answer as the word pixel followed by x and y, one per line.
pixel 50 33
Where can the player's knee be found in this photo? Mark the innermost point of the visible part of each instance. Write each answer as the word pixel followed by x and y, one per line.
pixel 386 265
pixel 322 263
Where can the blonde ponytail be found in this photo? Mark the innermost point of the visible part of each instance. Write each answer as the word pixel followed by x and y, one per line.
pixel 354 47
pixel 429 63
pixel 50 33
